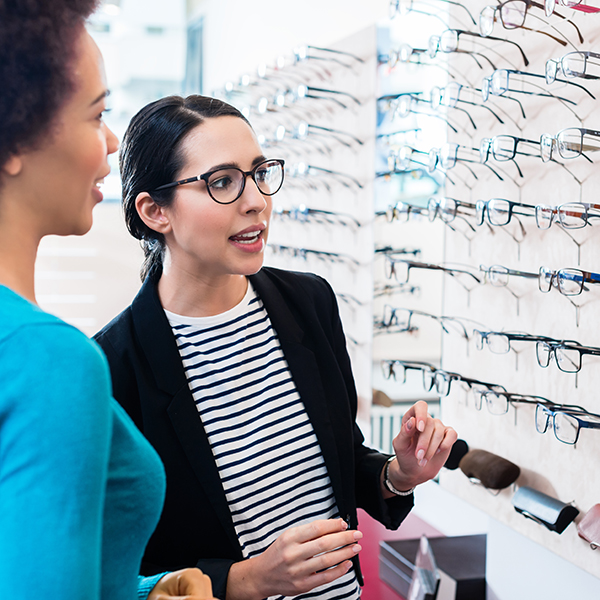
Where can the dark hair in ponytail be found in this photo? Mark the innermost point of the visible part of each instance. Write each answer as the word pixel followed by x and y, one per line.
pixel 151 156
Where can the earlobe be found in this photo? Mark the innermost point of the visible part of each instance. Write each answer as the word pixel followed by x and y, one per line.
pixel 152 214
pixel 13 165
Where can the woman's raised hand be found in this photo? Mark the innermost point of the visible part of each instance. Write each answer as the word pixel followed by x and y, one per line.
pixel 299 560
pixel 421 447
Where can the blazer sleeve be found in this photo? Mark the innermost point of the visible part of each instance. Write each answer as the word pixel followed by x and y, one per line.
pixel 367 461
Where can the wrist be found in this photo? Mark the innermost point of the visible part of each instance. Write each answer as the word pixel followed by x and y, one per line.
pixel 393 481
pixel 242 583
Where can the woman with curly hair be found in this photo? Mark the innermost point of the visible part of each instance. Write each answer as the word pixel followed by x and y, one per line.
pixel 80 488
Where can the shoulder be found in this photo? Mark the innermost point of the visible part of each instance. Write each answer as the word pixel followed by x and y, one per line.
pixel 297 282
pixel 50 368
pixel 26 331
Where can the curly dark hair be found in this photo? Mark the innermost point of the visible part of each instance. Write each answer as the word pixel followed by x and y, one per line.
pixel 37 46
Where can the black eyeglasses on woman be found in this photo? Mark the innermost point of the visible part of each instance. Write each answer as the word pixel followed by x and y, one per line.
pixel 226 185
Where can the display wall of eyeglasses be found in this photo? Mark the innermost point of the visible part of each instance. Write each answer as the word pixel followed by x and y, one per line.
pixel 514 177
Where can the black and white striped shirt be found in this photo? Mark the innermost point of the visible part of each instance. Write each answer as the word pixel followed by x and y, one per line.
pixel 263 442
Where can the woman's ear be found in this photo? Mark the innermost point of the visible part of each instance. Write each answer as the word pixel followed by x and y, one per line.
pixel 13 165
pixel 152 214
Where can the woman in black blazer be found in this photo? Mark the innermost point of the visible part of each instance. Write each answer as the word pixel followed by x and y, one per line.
pixel 203 237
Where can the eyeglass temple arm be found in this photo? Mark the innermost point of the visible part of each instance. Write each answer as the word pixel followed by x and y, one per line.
pixel 329 130
pixel 497 39
pixel 338 92
pixel 464 111
pixel 341 52
pixel 561 42
pixel 481 106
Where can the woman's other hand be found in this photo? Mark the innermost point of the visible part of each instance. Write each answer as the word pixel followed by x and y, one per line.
pixel 187 584
pixel 299 560
pixel 421 447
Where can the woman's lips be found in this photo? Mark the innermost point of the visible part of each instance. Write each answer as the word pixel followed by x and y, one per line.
pixel 249 241
pixel 97 192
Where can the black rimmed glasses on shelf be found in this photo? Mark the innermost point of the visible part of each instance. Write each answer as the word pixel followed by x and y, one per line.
pixel 400 319
pixel 402 54
pixel 571 66
pixel 498 276
pixel 226 185
pixel 448 209
pixel 401 211
pixel 498 402
pixel 567 422
pixel 571 215
pixel 500 211
pixel 499 342
pixel 307 52
pixel 447 157
pixel 404 104
pixel 397 369
pixel 304 253
pixel 303 169
pixel 550 5
pixel 385 289
pixel 569 282
pixel 449 96
pixel 432 377
pixel 399 269
pixel 503 148
pixel 435 45
pixel 498 84
pixel 303 129
pixel 567 354
pixel 449 41
pixel 304 214
pixel 512 16
pixel 570 143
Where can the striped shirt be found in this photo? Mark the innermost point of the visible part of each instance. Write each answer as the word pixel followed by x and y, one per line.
pixel 268 456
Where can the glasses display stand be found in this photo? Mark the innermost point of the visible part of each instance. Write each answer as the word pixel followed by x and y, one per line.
pixel 548 222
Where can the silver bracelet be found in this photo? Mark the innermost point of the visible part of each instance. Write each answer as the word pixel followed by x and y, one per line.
pixel 388 484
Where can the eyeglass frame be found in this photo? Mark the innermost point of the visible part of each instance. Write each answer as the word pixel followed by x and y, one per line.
pixel 559 210
pixel 546 138
pixel 555 279
pixel 411 264
pixel 482 208
pixel 528 3
pixel 481 336
pixel 558 63
pixel 553 410
pixel 553 346
pixel 252 173
pixel 389 323
pixel 511 398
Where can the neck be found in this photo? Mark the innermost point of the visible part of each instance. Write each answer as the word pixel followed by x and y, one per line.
pixel 194 295
pixel 18 253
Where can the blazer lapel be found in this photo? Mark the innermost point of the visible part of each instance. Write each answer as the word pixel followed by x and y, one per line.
pixel 160 347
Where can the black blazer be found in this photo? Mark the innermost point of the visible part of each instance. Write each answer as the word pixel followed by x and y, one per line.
pixel 196 528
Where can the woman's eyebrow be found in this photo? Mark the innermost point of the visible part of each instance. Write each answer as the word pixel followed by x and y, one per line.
pixel 104 94
pixel 235 165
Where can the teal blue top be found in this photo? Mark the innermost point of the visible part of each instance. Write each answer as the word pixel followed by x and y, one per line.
pixel 81 490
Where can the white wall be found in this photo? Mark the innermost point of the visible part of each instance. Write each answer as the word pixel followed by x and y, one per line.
pixel 239 35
